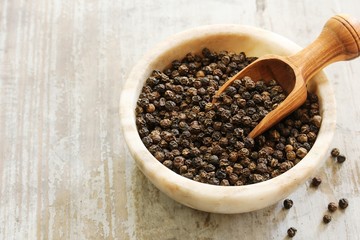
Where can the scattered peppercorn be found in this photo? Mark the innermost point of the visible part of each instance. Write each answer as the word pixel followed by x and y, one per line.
pixel 332 207
pixel 335 152
pixel 207 142
pixel 316 181
pixel 288 203
pixel 343 203
pixel 291 232
pixel 341 158
pixel 327 218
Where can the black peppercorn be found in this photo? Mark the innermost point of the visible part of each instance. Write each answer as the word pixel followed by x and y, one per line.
pixel 307 146
pixel 188 175
pixel 332 207
pixel 291 232
pixel 214 181
pixel 302 138
pixel 231 91
pixel 209 168
pixel 221 174
pixel 159 156
pixel 326 218
pixel 316 120
pixel 170 105
pixel 255 178
pixel 168 163
pixel 335 152
pixel 178 162
pixel 147 141
pixel 288 203
pixel 316 181
pixel 144 131
pixel 341 158
pixel 301 152
pixel 224 182
pixel 290 155
pixel 288 148
pixel 343 203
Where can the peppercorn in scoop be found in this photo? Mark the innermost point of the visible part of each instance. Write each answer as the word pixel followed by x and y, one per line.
pixel 208 142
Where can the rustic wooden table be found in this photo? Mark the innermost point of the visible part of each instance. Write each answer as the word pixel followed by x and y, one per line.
pixel 65 172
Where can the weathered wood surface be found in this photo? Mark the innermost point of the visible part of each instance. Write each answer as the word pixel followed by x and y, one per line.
pixel 64 169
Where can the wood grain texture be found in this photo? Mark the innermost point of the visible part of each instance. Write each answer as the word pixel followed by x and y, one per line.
pixel 64 169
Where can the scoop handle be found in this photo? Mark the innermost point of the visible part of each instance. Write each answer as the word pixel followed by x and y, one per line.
pixel 338 41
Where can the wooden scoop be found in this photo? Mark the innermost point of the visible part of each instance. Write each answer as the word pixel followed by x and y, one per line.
pixel 338 41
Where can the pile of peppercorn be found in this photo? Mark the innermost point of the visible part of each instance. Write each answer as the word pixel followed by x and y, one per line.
pixel 208 142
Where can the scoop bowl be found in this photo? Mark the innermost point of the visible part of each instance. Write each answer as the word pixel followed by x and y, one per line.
pixel 338 41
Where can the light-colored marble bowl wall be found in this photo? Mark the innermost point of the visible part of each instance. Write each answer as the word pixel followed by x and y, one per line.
pixel 205 197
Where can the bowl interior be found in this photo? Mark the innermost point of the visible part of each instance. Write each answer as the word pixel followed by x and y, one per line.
pixel 229 199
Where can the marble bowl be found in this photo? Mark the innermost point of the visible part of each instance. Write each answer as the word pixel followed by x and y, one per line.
pixel 206 197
